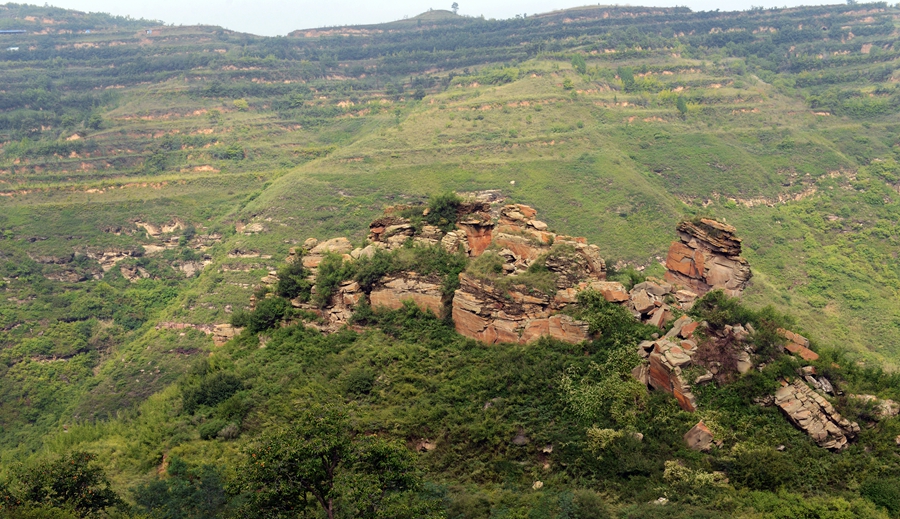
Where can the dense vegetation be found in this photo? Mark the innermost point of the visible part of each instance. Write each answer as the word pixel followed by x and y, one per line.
pixel 151 175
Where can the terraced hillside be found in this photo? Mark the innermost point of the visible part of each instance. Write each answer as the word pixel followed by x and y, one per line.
pixel 151 175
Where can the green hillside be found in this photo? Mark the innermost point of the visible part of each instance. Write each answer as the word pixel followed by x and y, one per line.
pixel 151 175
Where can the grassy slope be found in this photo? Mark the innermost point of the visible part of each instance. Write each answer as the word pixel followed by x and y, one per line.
pixel 620 168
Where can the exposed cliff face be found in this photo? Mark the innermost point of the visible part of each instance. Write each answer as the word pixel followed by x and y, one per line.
pixel 484 311
pixel 708 257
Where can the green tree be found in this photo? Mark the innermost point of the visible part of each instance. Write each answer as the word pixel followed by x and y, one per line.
pixel 681 105
pixel 318 461
pixel 302 461
pixel 293 282
pixel 455 7
pixel 626 76
pixel 578 64
pixel 70 481
pixel 442 211
pixel 188 492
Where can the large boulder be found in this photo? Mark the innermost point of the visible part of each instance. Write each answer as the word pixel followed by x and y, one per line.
pixel 699 438
pixel 707 257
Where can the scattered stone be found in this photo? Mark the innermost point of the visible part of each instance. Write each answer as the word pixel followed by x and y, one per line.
pixel 704 378
pixel 699 438
pixel 521 439
pixel 744 363
pixel 798 345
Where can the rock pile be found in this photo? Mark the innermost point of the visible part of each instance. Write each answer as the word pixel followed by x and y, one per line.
pixel 813 414
pixel 666 360
pixel 708 257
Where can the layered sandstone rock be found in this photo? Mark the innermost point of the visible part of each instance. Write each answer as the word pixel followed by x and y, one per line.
pixel 798 345
pixel 667 359
pixel 708 257
pixel 484 312
pixel 518 312
pixel 392 291
pixel 814 415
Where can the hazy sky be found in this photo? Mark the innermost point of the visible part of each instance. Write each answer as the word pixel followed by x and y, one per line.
pixel 274 17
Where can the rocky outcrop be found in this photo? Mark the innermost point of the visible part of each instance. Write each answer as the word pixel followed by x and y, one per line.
pixel 521 313
pixel 814 415
pixel 317 251
pixel 666 360
pixel 223 333
pixel 134 273
pixel 497 307
pixel 484 312
pixel 707 257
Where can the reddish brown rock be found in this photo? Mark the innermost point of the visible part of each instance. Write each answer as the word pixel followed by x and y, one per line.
pixel 687 331
pixel 478 236
pixel 707 257
pixel 798 345
pixel 392 292
pixel 612 291
pixel 685 260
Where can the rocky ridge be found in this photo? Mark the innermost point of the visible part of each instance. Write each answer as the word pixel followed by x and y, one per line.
pixel 490 309
pixel 498 307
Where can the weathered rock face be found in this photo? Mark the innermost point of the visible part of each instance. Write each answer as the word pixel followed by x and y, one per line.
pixel 708 257
pixel 813 414
pixel 666 358
pixel 426 293
pixel 224 333
pixel 484 312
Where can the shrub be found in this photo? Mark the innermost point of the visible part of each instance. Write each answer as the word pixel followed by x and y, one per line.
pixel 332 272
pixel 884 492
pixel 269 312
pixel 210 390
pixel 210 429
pixel 293 282
pixel 360 382
pixel 442 211
pixel 760 468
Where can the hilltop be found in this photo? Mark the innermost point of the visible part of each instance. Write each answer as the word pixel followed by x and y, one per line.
pixel 152 177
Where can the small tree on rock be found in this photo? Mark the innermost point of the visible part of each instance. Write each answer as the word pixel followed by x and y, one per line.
pixel 455 7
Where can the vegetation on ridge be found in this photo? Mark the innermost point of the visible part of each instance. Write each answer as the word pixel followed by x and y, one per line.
pixel 151 175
